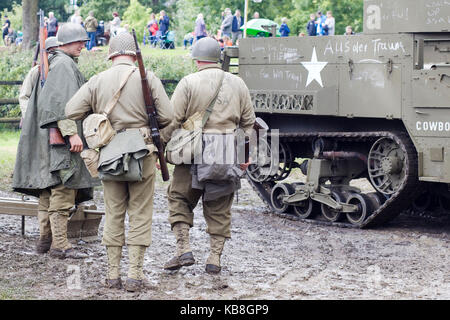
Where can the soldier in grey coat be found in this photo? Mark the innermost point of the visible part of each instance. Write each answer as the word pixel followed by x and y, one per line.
pixel 55 174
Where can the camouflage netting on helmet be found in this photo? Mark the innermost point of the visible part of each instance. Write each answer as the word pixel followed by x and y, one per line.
pixel 122 44
pixel 71 32
pixel 206 49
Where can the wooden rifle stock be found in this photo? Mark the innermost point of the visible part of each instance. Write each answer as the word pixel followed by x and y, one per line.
pixel 55 136
pixel 151 112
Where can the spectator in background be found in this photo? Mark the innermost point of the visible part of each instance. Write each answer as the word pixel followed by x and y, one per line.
pixel 320 23
pixel 52 25
pixel 114 24
pixel 91 28
pixel 238 22
pixel 76 18
pixel 153 28
pixel 330 23
pixel 5 28
pixel 227 41
pixel 256 15
pixel 311 27
pixel 284 29
pixel 188 39
pixel 227 23
pixel 164 22
pixel 200 27
pixel 11 37
pixel 348 31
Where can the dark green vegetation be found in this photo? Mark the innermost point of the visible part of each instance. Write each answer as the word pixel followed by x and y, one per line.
pixel 166 64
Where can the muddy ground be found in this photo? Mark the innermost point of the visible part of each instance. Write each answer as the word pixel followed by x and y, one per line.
pixel 267 258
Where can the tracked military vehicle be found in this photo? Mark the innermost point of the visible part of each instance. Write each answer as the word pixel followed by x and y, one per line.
pixel 375 106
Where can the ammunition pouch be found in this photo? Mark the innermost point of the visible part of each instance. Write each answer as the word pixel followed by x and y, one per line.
pixel 97 130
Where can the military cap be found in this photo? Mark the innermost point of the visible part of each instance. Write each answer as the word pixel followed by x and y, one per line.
pixel 71 32
pixel 206 49
pixel 122 44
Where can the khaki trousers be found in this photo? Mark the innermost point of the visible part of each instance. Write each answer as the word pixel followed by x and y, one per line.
pixel 136 198
pixel 183 199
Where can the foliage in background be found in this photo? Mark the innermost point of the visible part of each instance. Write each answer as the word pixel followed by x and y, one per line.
pixel 183 13
pixel 346 12
pixel 13 66
pixel 15 15
pixel 16 66
pixel 137 17
pixel 103 9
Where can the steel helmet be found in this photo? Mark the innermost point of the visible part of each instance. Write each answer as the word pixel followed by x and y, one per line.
pixel 51 42
pixel 122 44
pixel 206 49
pixel 71 32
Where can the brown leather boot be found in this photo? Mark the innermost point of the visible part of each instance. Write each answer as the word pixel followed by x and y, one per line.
pixel 44 244
pixel 136 276
pixel 216 248
pixel 114 283
pixel 67 254
pixel 184 256
pixel 45 232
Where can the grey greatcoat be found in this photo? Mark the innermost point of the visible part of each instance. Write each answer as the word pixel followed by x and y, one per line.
pixel 39 165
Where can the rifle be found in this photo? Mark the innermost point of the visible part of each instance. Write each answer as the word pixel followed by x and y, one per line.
pixel 55 136
pixel 151 112
pixel 36 55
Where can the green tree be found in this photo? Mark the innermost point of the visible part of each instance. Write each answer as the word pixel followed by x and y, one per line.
pixel 15 15
pixel 137 17
pixel 346 12
pixel 103 9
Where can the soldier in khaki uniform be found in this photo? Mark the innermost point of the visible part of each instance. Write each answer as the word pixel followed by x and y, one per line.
pixel 233 108
pixel 120 197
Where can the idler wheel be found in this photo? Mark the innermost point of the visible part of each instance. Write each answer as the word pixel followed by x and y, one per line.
pixel 387 165
pixel 329 213
pixel 364 208
pixel 276 197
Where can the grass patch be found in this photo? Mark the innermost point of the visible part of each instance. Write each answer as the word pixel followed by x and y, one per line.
pixel 9 139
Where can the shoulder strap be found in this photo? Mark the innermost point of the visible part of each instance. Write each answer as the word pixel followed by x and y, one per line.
pixel 112 103
pixel 210 108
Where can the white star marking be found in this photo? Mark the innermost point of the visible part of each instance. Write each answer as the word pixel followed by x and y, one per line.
pixel 314 68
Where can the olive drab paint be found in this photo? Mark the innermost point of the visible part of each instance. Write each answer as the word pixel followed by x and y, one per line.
pixel 374 105
pixel 398 69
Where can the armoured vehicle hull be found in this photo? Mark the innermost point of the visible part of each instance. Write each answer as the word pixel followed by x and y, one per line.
pixel 373 106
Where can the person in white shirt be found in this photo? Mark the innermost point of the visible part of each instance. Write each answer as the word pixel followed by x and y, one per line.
pixel 330 22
